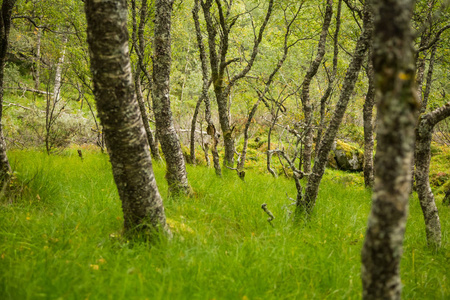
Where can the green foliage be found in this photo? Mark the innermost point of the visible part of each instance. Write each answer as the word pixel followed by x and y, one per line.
pixel 62 238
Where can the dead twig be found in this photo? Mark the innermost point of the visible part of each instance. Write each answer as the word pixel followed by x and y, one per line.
pixel 269 213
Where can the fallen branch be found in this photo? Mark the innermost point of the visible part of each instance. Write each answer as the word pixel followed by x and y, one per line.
pixel 241 174
pixel 269 213
pixel 27 89
pixel 8 104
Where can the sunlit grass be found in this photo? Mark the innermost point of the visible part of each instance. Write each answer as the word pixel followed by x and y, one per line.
pixel 60 238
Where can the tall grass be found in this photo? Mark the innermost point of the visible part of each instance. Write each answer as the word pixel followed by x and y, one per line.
pixel 60 238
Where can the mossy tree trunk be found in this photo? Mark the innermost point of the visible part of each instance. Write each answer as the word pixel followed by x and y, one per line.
pixel 312 187
pixel 424 134
pixel 5 25
pixel 119 113
pixel 176 169
pixel 394 66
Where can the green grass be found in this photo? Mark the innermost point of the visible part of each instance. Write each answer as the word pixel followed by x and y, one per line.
pixel 60 238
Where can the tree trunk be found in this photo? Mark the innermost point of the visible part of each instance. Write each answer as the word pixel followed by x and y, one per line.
pixel 243 155
pixel 37 60
pixel 368 124
pixel 307 108
pixel 206 83
pixel 58 73
pixel 176 169
pixel 5 25
pixel 193 126
pixel 140 99
pixel 424 134
pixel 119 113
pixel 331 79
pixel 312 187
pixel 138 44
pixel 426 94
pixel 393 61
pixel 219 63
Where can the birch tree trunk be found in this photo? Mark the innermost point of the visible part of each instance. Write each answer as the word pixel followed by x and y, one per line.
pixel 424 134
pixel 331 78
pixel 58 73
pixel 204 97
pixel 368 124
pixel 5 25
pixel 37 60
pixel 219 63
pixel 307 108
pixel 312 187
pixel 138 44
pixel 119 113
pixel 427 91
pixel 176 169
pixel 398 106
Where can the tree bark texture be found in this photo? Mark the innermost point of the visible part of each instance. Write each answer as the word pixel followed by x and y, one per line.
pixel 5 25
pixel 424 134
pixel 176 169
pixel 138 45
pixel 119 113
pixel 312 71
pixel 312 187
pixel 368 124
pixel 398 105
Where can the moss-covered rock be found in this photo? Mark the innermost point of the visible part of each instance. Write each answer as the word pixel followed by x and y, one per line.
pixel 332 163
pixel 347 157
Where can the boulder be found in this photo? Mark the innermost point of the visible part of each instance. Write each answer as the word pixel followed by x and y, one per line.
pixel 347 157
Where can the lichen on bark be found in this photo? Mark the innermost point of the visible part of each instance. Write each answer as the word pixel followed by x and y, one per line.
pixel 393 61
pixel 176 169
pixel 119 114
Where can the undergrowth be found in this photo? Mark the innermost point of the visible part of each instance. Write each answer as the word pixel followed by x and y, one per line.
pixel 60 238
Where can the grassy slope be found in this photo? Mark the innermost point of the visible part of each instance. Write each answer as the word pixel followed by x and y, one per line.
pixel 61 239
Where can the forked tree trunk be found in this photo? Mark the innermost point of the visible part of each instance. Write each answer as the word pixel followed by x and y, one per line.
pixel 424 134
pixel 398 106
pixel 119 113
pixel 368 124
pixel 219 63
pixel 5 25
pixel 176 169
pixel 312 187
pixel 307 107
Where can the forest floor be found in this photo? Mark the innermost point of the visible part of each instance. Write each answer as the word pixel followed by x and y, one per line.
pixel 60 238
